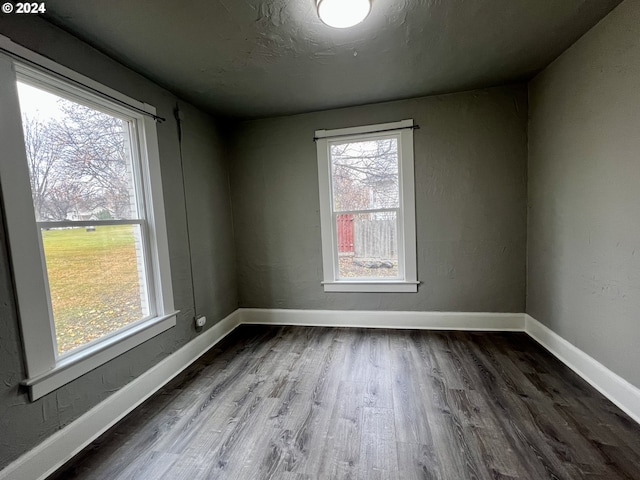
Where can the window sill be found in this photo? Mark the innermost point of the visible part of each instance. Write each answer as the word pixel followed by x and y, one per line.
pixel 73 366
pixel 371 286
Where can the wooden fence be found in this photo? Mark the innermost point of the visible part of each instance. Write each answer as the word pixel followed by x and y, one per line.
pixel 345 232
pixel 375 238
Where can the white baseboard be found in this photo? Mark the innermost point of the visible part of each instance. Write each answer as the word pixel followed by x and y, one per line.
pixel 60 447
pixel 623 394
pixel 387 319
pixel 44 459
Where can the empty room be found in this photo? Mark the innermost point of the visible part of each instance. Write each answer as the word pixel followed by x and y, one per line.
pixel 320 239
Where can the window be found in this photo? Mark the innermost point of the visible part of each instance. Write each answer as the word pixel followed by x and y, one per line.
pixel 367 208
pixel 83 202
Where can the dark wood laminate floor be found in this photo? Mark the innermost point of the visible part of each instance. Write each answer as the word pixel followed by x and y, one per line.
pixel 300 403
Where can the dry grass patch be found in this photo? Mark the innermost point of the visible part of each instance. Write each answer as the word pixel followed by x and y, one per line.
pixel 93 279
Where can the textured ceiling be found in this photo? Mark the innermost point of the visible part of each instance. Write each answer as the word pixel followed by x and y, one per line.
pixel 251 58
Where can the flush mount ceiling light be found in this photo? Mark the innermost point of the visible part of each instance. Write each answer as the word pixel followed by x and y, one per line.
pixel 343 13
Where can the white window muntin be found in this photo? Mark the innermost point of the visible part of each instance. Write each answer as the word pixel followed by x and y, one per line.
pixel 45 371
pixel 406 221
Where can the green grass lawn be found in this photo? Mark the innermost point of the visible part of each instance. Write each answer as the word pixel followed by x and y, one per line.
pixel 93 280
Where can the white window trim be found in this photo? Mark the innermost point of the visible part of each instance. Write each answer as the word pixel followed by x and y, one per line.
pixel 45 371
pixel 403 130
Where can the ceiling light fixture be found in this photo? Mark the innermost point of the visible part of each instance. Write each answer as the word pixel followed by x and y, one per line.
pixel 343 13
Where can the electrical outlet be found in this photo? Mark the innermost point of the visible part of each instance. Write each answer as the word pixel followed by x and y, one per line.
pixel 200 321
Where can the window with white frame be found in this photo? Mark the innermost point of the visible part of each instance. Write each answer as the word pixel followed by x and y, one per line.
pixel 83 203
pixel 367 208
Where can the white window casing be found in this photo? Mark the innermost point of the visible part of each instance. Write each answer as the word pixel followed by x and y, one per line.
pixel 407 280
pixel 45 369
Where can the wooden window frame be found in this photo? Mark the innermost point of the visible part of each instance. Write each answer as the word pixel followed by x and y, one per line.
pixel 45 369
pixel 407 258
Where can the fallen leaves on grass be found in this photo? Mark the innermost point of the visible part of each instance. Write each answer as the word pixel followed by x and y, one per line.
pixel 350 267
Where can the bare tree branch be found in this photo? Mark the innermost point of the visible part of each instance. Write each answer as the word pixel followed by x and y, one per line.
pixel 79 164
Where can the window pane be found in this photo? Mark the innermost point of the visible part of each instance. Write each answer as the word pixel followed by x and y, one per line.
pixel 79 159
pixel 367 245
pixel 365 175
pixel 96 279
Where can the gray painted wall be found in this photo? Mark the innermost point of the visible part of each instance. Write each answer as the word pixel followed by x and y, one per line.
pixel 470 163
pixel 584 194
pixel 24 424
